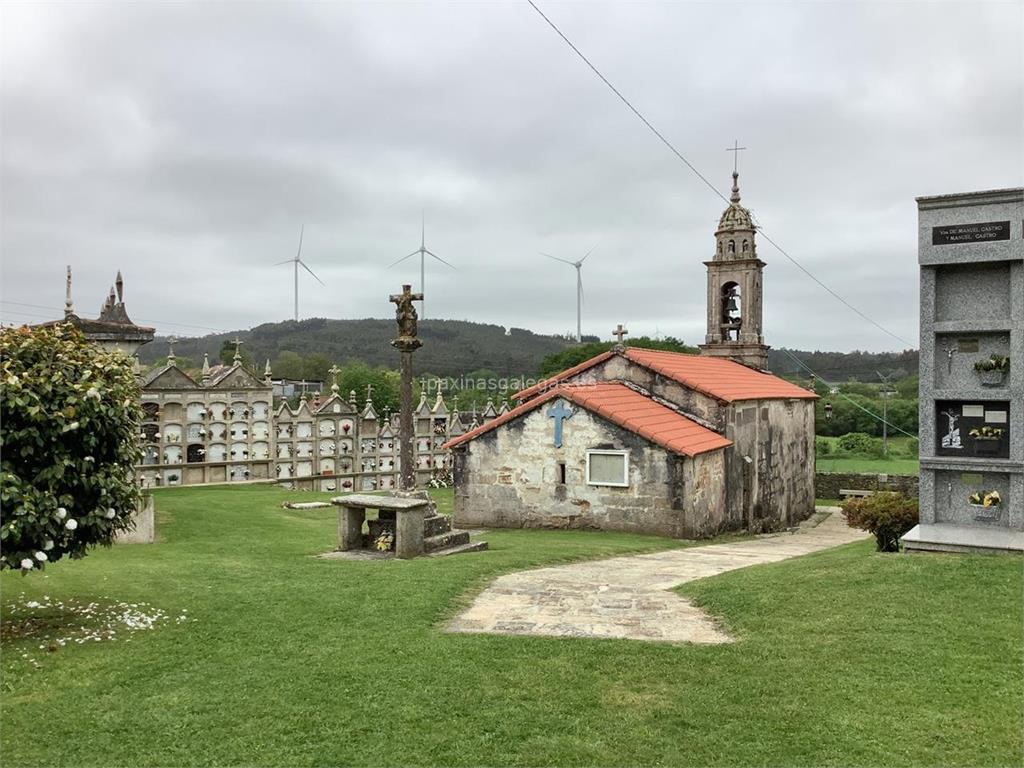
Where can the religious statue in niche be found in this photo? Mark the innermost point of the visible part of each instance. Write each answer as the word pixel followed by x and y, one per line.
pixel 952 437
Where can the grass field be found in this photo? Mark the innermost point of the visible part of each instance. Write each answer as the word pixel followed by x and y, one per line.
pixel 845 657
pixel 902 459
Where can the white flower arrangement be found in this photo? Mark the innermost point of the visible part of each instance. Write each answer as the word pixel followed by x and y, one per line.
pixel 71 524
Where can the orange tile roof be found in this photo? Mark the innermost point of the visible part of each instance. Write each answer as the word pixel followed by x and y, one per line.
pixel 626 407
pixel 717 377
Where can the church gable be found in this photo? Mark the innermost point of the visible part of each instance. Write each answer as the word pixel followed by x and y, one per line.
pixel 170 377
pixel 237 377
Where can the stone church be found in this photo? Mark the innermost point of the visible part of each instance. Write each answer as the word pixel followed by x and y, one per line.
pixel 655 442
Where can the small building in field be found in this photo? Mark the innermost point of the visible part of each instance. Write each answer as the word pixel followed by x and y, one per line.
pixel 655 442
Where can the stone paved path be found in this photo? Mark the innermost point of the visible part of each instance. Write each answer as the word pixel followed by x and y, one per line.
pixel 628 597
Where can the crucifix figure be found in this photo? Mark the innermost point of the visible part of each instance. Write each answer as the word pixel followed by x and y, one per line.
pixel 619 333
pixel 735 148
pixel 405 312
pixel 559 413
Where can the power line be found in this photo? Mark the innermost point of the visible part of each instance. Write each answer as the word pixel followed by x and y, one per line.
pixel 703 178
pixel 850 400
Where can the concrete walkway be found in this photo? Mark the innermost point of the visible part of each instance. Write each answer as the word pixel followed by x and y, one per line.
pixel 628 597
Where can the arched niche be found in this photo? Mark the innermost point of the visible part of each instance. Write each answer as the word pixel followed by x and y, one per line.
pixel 172 412
pixel 195 411
pixel 216 452
pixel 261 450
pixel 195 454
pixel 260 409
pixel 326 428
pixel 260 430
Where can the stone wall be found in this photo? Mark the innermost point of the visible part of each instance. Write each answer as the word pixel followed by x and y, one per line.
pixel 509 478
pixel 828 484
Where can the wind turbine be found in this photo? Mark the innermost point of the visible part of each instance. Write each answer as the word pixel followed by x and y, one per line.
pixel 579 288
pixel 423 252
pixel 297 261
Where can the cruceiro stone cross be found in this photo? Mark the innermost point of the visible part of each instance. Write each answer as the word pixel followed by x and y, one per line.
pixel 559 413
pixel 406 343
pixel 619 333
pixel 334 370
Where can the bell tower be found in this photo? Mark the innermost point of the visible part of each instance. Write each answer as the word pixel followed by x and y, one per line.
pixel 735 289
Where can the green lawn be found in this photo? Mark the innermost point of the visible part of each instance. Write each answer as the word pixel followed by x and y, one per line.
pixel 845 657
pixel 902 459
pixel 893 466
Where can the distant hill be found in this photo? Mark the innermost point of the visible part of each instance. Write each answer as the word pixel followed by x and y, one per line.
pixel 455 347
pixel 450 347
pixel 843 366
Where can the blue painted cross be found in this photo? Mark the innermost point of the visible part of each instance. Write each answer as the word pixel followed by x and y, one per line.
pixel 559 413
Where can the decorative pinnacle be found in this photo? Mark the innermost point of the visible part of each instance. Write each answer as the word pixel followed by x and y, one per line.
pixel 735 187
pixel 238 350
pixel 119 283
pixel 69 308
pixel 171 341
pixel 206 365
pixel 334 370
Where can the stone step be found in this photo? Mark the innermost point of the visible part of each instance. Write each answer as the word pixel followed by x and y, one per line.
pixel 436 525
pixel 473 546
pixel 445 540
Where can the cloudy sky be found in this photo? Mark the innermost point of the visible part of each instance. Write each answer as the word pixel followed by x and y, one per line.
pixel 186 145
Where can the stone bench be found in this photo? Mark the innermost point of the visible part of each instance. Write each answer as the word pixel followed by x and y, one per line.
pixel 846 493
pixel 409 515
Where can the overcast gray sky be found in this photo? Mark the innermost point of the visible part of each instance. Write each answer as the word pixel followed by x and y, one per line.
pixel 186 143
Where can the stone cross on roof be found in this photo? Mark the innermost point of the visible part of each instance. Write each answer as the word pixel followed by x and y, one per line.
pixel 238 349
pixel 736 148
pixel 171 341
pixel 619 333
pixel 334 370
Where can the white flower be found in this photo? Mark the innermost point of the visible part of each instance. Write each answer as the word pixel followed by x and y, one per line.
pixel 110 514
pixel 41 557
pixel 61 513
pixel 88 458
pixel 48 544
pixel 93 393
pixel 71 524
pixel 27 565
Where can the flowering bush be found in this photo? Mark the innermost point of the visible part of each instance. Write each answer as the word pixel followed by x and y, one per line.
pixel 70 420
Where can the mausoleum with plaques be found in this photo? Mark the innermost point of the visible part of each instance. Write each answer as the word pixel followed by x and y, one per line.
pixel 971 255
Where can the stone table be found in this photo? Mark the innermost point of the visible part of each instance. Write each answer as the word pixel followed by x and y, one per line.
pixel 409 514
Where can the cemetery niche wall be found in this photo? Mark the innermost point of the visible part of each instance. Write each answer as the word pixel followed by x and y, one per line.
pixel 971 255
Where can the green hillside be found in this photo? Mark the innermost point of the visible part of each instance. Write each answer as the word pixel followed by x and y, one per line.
pixel 450 347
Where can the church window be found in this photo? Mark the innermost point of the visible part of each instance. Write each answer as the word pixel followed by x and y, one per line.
pixel 719 247
pixel 608 468
pixel 746 246
pixel 732 246
pixel 561 473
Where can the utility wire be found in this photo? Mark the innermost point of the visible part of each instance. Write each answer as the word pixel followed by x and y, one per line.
pixel 702 177
pixel 846 397
pixel 143 320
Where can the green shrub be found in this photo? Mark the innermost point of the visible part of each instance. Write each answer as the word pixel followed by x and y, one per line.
pixel 860 443
pixel 68 445
pixel 822 446
pixel 913 447
pixel 886 515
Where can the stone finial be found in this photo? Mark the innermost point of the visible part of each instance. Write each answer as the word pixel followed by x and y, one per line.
pixel 619 333
pixel 206 369
pixel 438 401
pixel 369 394
pixel 423 401
pixel 352 397
pixel 334 370
pixel 69 307
pixel 735 197
pixel 171 341
pixel 267 373
pixel 238 350
pixel 119 284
